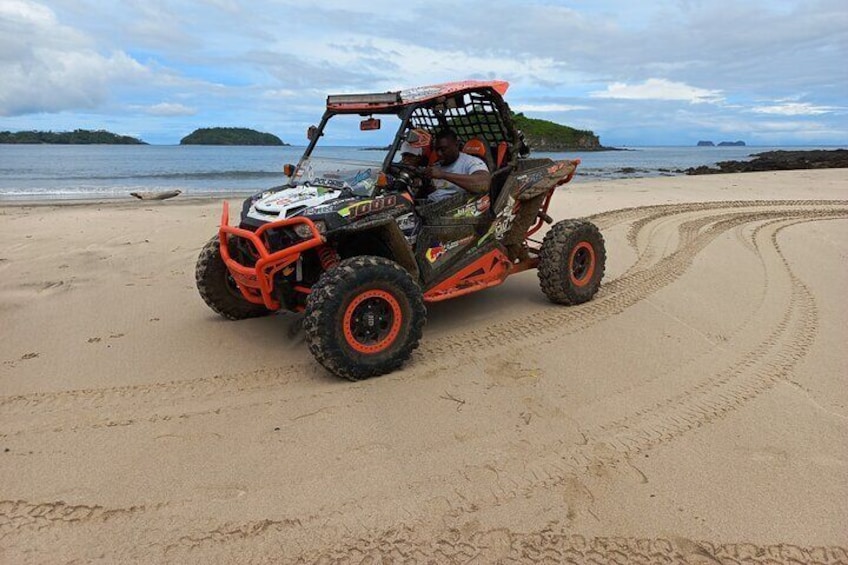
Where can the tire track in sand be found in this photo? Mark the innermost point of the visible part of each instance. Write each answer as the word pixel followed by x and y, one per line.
pixel 626 290
pixel 550 545
pixel 750 373
pixel 274 384
pixel 766 360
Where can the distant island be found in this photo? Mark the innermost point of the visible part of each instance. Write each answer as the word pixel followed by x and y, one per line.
pixel 76 137
pixel 230 136
pixel 543 135
pixel 722 144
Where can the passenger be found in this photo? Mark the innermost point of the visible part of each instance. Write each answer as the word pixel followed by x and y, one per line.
pixel 411 156
pixel 455 171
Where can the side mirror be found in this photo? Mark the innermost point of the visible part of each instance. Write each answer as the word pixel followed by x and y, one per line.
pixel 288 170
pixel 369 124
pixel 311 133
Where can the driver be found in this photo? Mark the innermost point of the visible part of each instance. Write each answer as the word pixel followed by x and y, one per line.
pixel 455 171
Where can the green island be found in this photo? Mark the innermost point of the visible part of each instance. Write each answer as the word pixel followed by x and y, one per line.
pixel 76 137
pixel 230 136
pixel 543 135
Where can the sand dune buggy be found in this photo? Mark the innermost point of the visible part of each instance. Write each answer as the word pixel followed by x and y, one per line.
pixel 357 248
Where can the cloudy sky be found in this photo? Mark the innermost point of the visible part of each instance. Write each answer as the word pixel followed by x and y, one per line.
pixel 665 72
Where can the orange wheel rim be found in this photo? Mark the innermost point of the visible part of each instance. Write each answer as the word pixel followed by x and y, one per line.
pixel 372 321
pixel 581 263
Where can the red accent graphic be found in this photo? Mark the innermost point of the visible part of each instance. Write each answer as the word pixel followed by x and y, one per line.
pixel 433 253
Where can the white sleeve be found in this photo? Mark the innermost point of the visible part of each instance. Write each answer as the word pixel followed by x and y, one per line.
pixel 474 164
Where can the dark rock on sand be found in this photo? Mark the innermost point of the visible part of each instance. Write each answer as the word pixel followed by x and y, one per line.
pixel 779 161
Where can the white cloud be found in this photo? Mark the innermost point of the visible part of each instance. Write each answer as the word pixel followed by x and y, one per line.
pixel 659 89
pixel 170 109
pixel 548 107
pixel 794 109
pixel 48 67
pixel 52 81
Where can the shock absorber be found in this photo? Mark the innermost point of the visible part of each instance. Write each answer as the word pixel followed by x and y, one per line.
pixel 328 257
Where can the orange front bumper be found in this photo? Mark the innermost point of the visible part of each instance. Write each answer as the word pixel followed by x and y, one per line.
pixel 256 283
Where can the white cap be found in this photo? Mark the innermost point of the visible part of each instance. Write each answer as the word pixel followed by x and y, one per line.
pixel 405 147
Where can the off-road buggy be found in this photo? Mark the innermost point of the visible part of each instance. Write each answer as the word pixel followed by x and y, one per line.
pixel 359 251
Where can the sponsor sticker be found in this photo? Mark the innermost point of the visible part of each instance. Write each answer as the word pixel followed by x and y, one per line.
pixel 434 253
pixel 406 222
pixel 483 204
pixel 369 206
pixel 473 209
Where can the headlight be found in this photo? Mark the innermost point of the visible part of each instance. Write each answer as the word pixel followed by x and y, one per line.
pixel 303 231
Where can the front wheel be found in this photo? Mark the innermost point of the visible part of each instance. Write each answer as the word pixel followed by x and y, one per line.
pixel 218 289
pixel 364 317
pixel 571 262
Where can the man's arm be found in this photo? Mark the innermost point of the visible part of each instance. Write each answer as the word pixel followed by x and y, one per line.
pixel 475 183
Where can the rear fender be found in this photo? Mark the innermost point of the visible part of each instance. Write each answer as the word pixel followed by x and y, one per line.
pixel 533 182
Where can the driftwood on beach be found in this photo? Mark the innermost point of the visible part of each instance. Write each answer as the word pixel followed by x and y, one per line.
pixel 156 195
pixel 779 161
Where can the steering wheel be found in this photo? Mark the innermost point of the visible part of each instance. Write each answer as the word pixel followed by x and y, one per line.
pixel 407 175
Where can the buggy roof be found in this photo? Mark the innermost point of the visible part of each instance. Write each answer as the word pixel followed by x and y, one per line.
pixel 391 101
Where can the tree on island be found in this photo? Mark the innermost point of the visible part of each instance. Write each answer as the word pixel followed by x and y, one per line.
pixel 76 137
pixel 230 136
pixel 543 135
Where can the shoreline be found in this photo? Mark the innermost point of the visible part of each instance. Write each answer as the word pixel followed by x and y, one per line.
pixel 188 198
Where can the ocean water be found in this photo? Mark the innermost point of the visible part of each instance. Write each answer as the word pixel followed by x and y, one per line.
pixel 55 172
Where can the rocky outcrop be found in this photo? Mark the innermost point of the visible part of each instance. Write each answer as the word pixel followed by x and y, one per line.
pixel 586 142
pixel 546 136
pixel 779 161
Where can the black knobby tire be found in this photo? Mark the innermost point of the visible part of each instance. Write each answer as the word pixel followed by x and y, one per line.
pixel 364 317
pixel 572 262
pixel 218 289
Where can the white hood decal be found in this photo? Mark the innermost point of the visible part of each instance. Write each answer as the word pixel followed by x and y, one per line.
pixel 277 205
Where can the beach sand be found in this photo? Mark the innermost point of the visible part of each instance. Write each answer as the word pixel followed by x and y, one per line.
pixel 695 411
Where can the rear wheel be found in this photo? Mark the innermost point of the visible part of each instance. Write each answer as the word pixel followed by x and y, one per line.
pixel 218 289
pixel 571 262
pixel 364 317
